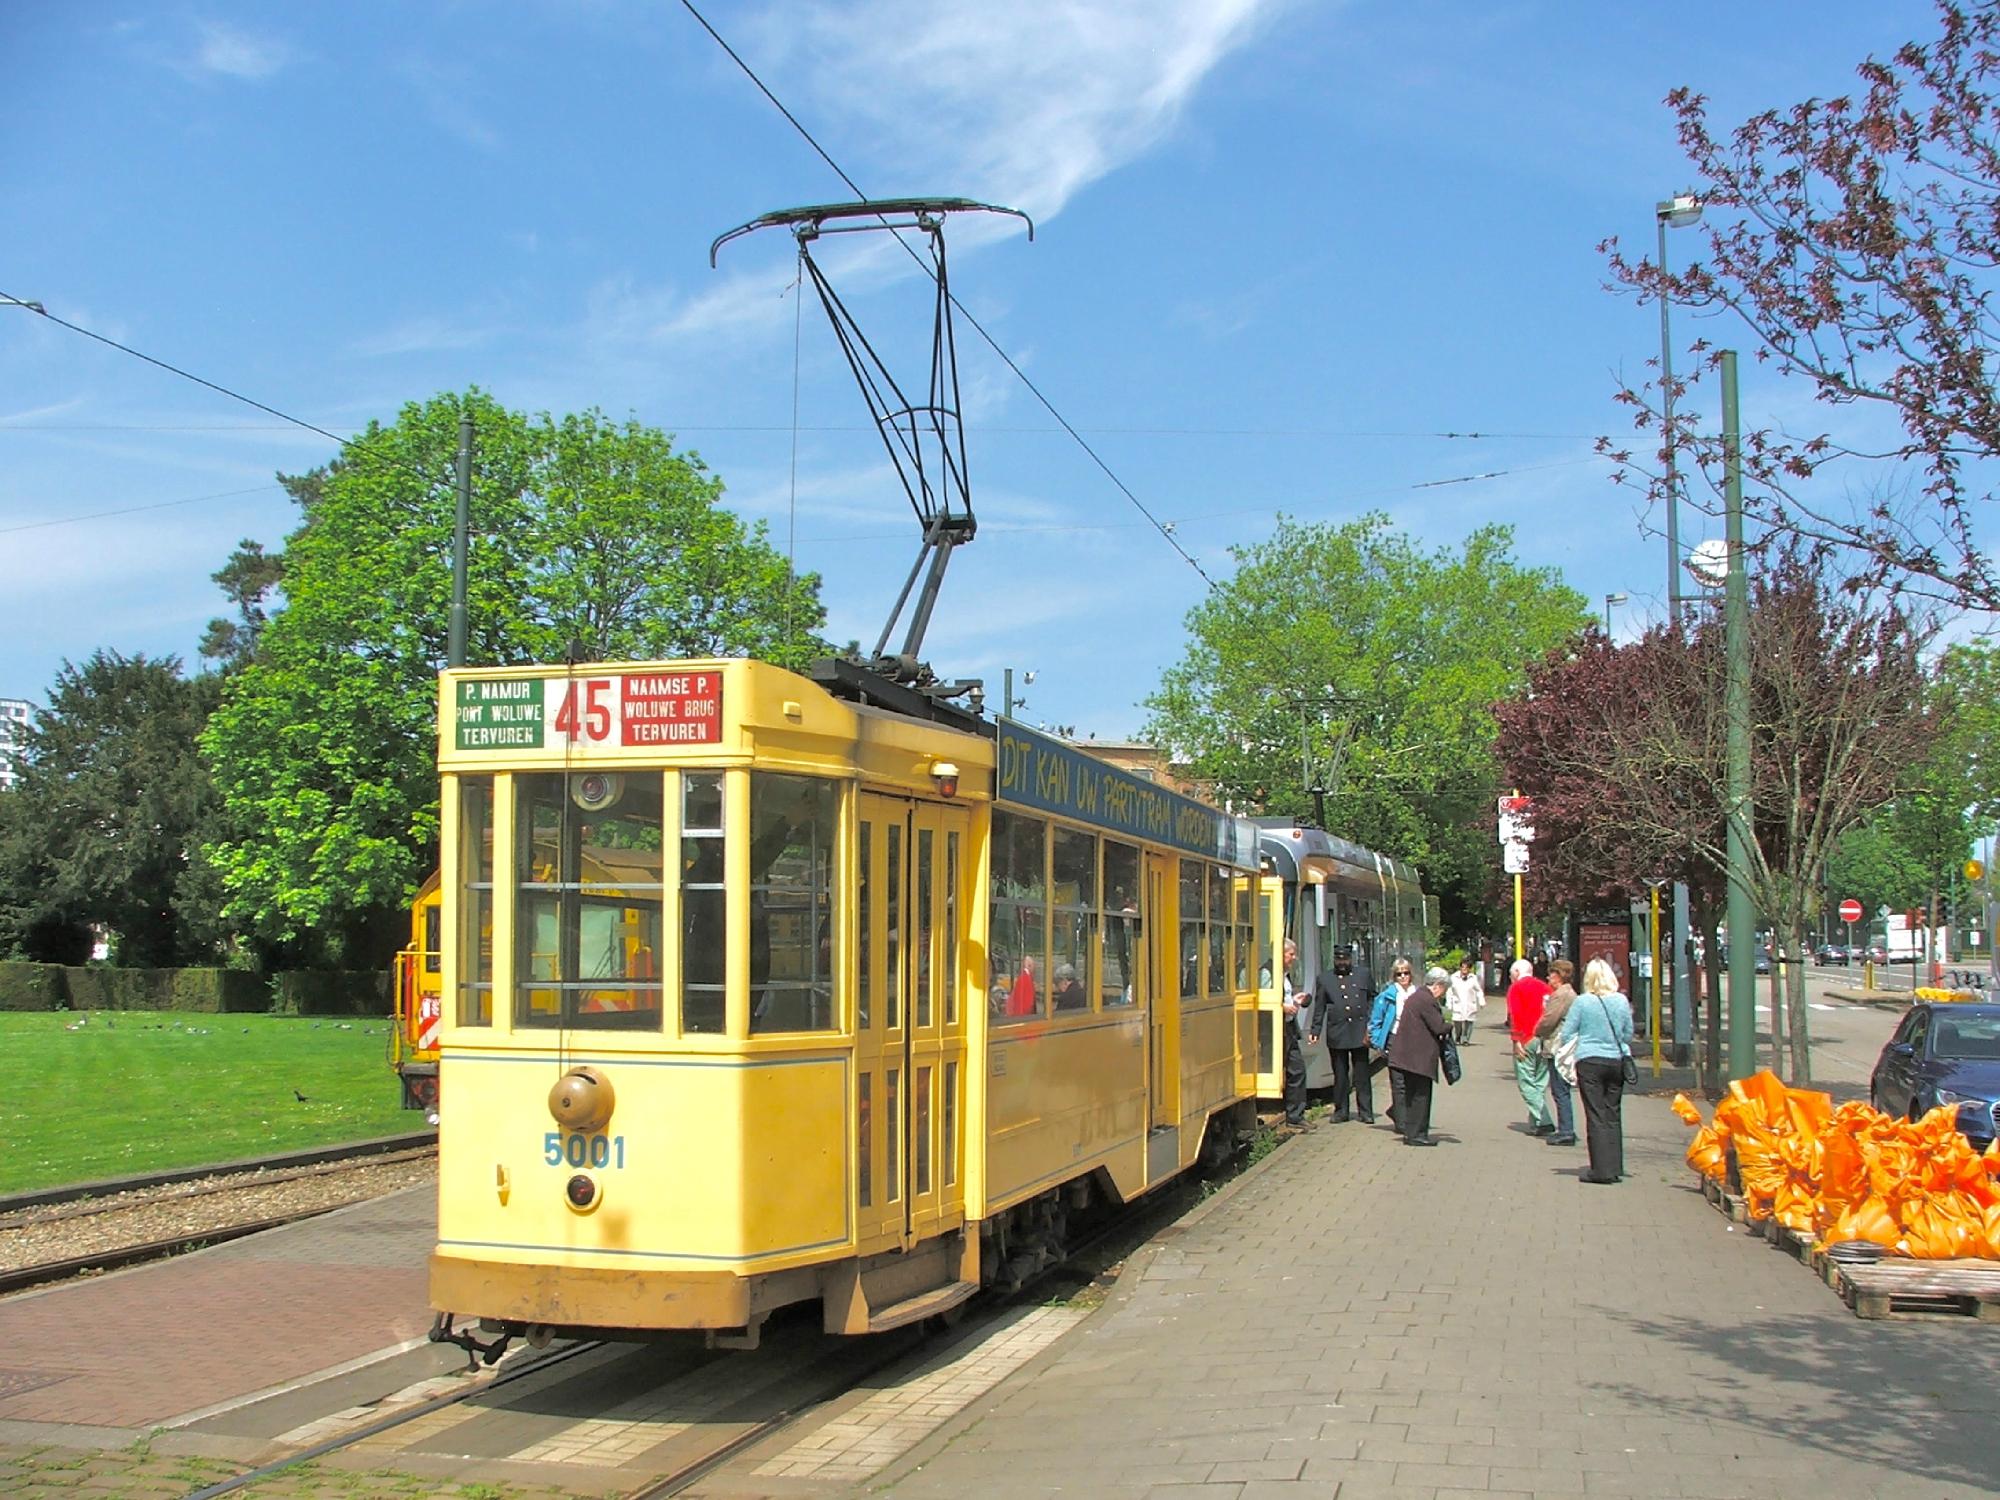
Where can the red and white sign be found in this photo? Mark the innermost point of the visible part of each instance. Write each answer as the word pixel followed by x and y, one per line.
pixel 1517 820
pixel 1850 910
pixel 430 1016
pixel 673 708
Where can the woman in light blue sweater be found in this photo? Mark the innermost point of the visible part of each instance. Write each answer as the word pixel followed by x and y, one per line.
pixel 1600 1022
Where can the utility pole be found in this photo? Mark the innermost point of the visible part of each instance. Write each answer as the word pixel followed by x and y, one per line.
pixel 460 531
pixel 1736 643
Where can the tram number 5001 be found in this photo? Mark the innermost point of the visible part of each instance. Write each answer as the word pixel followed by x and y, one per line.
pixel 598 1151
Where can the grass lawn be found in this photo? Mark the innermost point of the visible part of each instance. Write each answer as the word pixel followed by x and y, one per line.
pixel 106 1093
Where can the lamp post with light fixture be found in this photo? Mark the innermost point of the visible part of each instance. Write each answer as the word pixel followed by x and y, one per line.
pixel 1676 212
pixel 1008 702
pixel 1609 600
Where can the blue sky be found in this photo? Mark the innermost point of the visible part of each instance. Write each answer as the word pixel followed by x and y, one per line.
pixel 1283 249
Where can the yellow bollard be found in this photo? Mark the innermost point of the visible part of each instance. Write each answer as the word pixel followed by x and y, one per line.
pixel 1868 973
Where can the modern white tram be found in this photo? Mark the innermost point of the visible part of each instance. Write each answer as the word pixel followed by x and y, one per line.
pixel 1335 892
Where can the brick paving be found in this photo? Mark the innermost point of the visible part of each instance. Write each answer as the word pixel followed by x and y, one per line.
pixel 1356 1319
pixel 141 1347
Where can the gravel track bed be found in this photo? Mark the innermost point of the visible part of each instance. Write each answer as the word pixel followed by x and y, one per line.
pixel 61 1232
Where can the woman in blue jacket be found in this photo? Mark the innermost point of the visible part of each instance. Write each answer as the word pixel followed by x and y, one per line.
pixel 1600 1023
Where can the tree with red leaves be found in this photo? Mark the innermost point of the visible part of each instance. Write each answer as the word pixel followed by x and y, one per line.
pixel 1624 752
pixel 1856 241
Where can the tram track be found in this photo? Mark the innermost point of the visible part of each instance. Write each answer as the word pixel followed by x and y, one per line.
pixel 809 1377
pixel 160 1220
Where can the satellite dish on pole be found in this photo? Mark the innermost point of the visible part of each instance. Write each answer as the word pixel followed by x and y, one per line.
pixel 1710 564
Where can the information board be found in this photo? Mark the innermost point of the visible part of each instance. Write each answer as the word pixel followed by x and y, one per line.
pixel 632 709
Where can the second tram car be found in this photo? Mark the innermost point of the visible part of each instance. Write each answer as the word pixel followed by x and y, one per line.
pixel 1333 893
pixel 754 995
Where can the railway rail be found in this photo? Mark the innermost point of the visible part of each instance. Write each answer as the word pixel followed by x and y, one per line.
pixel 811 1369
pixel 53 1239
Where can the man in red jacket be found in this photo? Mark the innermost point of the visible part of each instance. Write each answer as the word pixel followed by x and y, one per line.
pixel 1525 998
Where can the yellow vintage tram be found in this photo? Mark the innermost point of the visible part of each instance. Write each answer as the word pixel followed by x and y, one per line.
pixel 755 995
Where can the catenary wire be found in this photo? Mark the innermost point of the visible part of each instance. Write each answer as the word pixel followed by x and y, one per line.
pixel 978 327
pixel 221 390
pixel 133 510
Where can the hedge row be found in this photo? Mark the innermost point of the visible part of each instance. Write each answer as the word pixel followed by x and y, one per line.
pixel 25 986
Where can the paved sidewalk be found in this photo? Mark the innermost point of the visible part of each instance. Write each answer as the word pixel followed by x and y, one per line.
pixel 144 1346
pixel 1362 1320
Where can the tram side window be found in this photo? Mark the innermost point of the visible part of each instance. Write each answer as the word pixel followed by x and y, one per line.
pixel 1243 947
pixel 1073 883
pixel 1218 933
pixel 1017 938
pixel 1194 924
pixel 704 914
pixel 588 900
pixel 793 823
pixel 475 907
pixel 1118 963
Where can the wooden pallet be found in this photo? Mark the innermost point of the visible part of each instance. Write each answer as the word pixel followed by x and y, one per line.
pixel 1896 1288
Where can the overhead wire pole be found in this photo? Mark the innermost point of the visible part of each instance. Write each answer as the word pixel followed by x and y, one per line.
pixel 1736 635
pixel 460 542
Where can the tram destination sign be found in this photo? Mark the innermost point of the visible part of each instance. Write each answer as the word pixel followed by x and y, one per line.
pixel 632 709
pixel 1048 776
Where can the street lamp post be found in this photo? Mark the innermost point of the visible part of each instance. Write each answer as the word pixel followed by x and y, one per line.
pixel 1676 212
pixel 1609 600
pixel 1008 702
pixel 1736 652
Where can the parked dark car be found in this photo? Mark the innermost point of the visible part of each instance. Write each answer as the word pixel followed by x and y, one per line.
pixel 1832 953
pixel 1763 960
pixel 1943 1053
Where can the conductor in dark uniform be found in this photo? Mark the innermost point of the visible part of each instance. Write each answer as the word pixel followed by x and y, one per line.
pixel 1340 1014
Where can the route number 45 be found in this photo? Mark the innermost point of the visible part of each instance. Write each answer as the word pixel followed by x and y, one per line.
pixel 585 713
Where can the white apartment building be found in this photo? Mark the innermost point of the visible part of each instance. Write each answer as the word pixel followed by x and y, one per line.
pixel 15 714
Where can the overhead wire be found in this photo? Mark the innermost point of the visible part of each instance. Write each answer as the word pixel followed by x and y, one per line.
pixel 978 327
pixel 222 390
pixel 133 510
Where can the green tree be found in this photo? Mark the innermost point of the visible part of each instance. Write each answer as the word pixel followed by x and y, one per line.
pixel 1873 865
pixel 1347 658
pixel 589 537
pixel 104 826
pixel 249 579
pixel 1955 793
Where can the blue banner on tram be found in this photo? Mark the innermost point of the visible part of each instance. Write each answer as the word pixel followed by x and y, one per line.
pixel 1048 776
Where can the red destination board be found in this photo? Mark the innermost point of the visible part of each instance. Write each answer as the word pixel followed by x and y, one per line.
pixel 672 708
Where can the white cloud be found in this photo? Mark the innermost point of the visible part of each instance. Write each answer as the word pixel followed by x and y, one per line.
pixel 237 54
pixel 424 335
pixel 1026 103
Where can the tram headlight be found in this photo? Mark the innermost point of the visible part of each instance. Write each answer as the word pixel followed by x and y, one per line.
pixel 582 1192
pixel 582 1100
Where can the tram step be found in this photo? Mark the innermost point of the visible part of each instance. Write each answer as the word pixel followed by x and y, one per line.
pixel 924 1305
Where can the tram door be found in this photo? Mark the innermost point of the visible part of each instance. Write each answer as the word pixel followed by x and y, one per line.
pixel 1163 1033
pixel 909 1019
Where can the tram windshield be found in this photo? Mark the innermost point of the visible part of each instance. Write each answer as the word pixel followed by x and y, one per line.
pixel 587 919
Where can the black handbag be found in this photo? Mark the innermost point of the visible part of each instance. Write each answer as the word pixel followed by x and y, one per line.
pixel 1627 1068
pixel 1448 1060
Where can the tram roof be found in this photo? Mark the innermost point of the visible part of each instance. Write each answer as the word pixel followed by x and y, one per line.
pixel 1298 843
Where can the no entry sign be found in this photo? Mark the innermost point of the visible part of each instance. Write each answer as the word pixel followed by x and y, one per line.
pixel 1850 910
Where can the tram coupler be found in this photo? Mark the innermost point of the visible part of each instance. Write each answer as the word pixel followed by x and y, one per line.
pixel 442 1332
